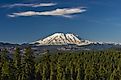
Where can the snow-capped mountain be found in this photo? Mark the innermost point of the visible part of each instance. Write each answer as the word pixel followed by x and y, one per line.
pixel 63 39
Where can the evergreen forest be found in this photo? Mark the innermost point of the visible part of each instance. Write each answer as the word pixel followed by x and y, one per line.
pixel 81 65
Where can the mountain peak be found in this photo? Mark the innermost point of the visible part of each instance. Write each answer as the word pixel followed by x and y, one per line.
pixel 63 39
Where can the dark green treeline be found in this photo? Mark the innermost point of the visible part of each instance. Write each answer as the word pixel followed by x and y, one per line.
pixel 83 65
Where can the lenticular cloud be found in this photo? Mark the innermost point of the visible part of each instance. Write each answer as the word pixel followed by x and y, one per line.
pixel 57 12
pixel 30 5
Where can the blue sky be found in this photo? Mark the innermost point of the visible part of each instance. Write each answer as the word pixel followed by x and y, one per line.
pixel 28 20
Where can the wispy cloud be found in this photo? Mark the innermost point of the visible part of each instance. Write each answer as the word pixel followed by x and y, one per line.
pixel 65 12
pixel 30 5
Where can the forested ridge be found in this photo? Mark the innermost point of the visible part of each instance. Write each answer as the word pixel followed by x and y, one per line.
pixel 83 65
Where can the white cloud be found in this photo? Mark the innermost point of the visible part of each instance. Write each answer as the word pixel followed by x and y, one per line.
pixel 65 12
pixel 30 5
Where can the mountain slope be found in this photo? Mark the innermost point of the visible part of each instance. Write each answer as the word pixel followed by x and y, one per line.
pixel 63 39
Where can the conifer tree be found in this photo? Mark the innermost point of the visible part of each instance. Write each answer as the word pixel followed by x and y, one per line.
pixel 52 71
pixel 6 70
pixel 59 71
pixel 79 75
pixel 44 76
pixel 17 63
pixel 28 65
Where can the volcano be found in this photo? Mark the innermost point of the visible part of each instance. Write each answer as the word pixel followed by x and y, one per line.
pixel 63 39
